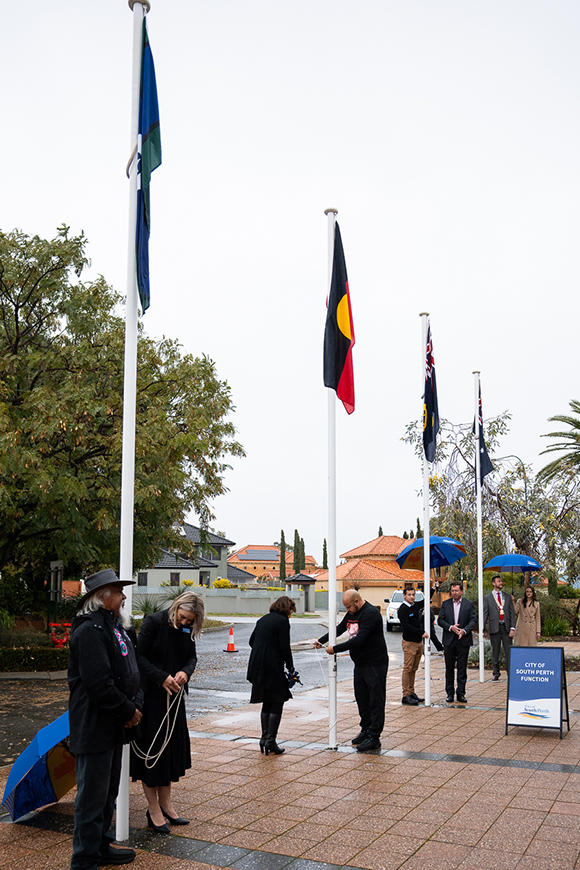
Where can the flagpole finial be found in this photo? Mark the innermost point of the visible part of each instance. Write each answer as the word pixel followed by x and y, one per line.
pixel 476 372
pixel 145 3
pixel 330 211
pixel 423 314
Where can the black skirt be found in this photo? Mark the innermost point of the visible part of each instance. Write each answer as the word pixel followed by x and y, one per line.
pixel 176 757
pixel 261 695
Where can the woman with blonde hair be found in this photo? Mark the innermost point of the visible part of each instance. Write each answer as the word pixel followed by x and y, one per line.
pixel 529 625
pixel 167 658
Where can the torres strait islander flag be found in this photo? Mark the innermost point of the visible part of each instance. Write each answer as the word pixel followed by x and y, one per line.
pixel 148 159
pixel 339 331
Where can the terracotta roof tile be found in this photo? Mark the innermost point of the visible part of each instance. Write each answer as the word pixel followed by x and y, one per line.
pixel 385 545
pixel 367 569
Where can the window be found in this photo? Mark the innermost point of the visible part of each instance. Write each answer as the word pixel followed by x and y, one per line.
pixel 174 578
pixel 142 578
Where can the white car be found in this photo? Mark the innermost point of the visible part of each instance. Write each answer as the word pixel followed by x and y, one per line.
pixel 393 607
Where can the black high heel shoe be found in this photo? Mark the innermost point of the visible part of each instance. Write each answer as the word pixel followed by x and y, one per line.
pixel 274 748
pixel 174 821
pixel 159 829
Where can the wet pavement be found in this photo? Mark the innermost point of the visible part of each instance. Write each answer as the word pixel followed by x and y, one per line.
pixel 447 789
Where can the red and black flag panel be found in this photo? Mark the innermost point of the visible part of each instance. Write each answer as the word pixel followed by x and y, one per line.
pixel 339 331
pixel 485 466
pixel 430 404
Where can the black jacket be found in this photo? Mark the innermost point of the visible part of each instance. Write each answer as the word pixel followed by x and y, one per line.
pixel 163 650
pixel 467 621
pixel 98 706
pixel 270 642
pixel 411 617
pixel 366 643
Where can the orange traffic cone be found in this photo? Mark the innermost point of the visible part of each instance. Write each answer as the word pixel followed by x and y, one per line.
pixel 231 644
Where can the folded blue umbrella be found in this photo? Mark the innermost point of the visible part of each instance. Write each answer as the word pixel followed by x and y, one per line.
pixel 43 773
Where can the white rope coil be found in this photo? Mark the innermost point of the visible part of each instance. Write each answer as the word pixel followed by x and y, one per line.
pixel 151 760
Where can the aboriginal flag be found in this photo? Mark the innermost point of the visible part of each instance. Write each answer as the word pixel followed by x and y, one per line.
pixel 485 466
pixel 339 331
pixel 430 405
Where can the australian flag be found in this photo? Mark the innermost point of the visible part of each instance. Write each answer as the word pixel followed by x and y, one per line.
pixel 430 403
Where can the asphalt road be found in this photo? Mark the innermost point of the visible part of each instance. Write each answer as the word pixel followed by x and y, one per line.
pixel 219 681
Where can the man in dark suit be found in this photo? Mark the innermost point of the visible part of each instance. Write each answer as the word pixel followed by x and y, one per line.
pixel 457 618
pixel 498 608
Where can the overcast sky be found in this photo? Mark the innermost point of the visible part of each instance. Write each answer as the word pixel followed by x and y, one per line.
pixel 445 132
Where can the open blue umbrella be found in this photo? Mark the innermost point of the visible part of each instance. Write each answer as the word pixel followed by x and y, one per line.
pixel 513 562
pixel 43 773
pixel 442 551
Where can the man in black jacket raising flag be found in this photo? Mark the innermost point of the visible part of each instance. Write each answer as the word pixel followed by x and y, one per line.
pixel 368 650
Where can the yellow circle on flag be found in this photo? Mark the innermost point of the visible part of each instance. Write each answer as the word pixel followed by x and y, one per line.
pixel 342 316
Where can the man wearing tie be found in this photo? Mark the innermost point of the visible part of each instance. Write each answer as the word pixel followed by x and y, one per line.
pixel 498 608
pixel 457 618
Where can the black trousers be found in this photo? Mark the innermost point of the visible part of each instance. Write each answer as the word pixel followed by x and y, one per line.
pixel 499 638
pixel 370 691
pixel 98 775
pixel 455 657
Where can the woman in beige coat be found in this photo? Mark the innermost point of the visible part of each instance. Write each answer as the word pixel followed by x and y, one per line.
pixel 528 626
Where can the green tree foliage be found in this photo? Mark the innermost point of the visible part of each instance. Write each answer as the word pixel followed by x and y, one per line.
pixel 419 530
pixel 282 556
pixel 406 535
pixel 324 556
pixel 380 535
pixel 61 405
pixel 296 553
pixel 568 464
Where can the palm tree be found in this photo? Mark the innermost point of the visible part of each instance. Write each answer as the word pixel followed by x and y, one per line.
pixel 569 463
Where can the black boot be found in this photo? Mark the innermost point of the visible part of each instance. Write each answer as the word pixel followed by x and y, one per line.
pixel 264 722
pixel 273 725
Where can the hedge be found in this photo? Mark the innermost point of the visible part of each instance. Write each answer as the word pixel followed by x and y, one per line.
pixel 40 658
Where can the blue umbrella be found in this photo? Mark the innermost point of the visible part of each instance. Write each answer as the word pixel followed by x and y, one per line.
pixel 513 562
pixel 43 773
pixel 443 551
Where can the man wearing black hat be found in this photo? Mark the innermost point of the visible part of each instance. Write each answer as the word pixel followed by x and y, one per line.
pixel 104 704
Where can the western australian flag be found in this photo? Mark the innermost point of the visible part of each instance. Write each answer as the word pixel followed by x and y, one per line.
pixel 148 159
pixel 485 466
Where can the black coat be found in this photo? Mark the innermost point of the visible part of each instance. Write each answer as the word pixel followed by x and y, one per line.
pixel 98 706
pixel 162 651
pixel 270 642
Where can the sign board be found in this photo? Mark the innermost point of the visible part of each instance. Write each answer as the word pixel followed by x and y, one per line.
pixel 537 692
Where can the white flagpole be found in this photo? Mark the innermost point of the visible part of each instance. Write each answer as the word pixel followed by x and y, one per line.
pixel 426 539
pixel 332 611
pixel 140 8
pixel 479 528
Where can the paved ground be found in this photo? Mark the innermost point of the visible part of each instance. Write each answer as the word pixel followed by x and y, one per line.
pixel 448 789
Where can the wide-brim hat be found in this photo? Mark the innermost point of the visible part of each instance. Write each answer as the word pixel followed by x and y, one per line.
pixel 100 579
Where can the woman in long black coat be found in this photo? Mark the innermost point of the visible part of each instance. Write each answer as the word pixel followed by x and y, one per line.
pixel 270 642
pixel 167 658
